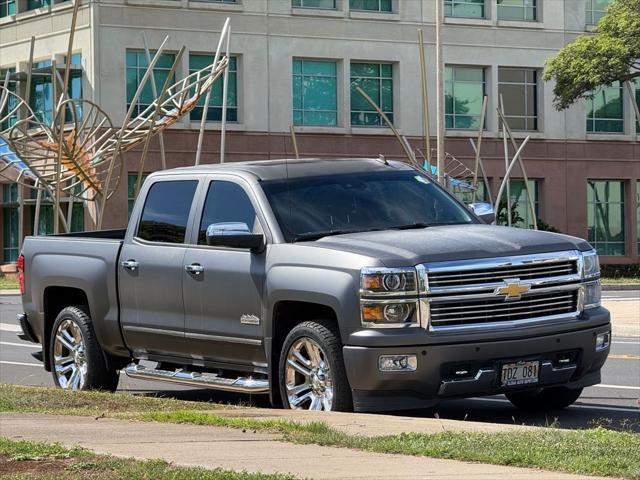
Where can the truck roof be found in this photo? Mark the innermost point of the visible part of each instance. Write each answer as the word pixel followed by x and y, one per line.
pixel 295 168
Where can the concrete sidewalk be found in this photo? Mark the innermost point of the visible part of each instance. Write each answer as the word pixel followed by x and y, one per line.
pixel 216 447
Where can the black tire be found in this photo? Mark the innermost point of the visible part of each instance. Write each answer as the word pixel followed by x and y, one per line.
pixel 553 398
pixel 325 335
pixel 98 375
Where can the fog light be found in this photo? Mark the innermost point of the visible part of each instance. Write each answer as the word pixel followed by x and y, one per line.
pixel 602 341
pixel 397 363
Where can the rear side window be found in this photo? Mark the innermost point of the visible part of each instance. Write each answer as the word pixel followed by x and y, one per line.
pixel 226 202
pixel 166 211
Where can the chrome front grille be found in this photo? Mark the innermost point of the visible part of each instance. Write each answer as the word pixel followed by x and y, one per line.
pixel 501 292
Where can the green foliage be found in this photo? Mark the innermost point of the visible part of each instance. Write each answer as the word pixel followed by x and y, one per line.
pixel 592 61
pixel 545 227
pixel 502 219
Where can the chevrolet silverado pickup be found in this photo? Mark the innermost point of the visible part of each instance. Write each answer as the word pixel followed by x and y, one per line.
pixel 354 284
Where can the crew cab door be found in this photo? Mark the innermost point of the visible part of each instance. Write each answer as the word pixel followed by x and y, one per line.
pixel 151 265
pixel 222 286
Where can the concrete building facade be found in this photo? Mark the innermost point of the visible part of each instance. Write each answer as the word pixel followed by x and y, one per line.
pixel 296 61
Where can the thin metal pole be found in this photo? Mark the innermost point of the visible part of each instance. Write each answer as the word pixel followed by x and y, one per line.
pixel 123 130
pixel 69 211
pixel 482 170
pixel 403 143
pixel 225 86
pixel 20 215
pixel 506 176
pixel 440 92
pixel 632 96
pixel 508 172
pixel 205 108
pixel 425 101
pixel 154 90
pixel 27 93
pixel 477 150
pixel 36 214
pixel 5 92
pixel 294 141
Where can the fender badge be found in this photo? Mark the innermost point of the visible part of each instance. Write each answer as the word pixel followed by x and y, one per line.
pixel 249 320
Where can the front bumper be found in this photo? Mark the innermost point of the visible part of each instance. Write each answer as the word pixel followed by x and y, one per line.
pixel 435 376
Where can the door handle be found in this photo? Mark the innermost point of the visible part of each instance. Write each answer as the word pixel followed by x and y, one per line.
pixel 130 264
pixel 194 268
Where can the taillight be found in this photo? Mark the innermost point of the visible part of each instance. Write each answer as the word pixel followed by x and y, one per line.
pixel 20 265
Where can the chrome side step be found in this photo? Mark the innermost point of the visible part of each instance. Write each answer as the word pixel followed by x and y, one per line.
pixel 198 379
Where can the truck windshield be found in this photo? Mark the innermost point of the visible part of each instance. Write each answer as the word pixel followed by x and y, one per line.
pixel 309 208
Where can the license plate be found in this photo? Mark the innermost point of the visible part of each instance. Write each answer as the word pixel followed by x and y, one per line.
pixel 520 373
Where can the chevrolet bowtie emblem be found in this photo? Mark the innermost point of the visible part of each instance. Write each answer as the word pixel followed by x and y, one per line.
pixel 512 289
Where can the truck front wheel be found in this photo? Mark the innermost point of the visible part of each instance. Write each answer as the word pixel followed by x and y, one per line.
pixel 553 398
pixel 311 369
pixel 77 361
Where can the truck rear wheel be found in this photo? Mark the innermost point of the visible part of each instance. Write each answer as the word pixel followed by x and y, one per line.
pixel 77 360
pixel 553 398
pixel 311 369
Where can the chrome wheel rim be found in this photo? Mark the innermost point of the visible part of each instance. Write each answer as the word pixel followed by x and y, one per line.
pixel 308 376
pixel 69 359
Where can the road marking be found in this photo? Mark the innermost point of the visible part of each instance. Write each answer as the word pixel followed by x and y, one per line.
pixel 21 363
pixel 584 407
pixel 625 356
pixel 623 387
pixel 7 327
pixel 26 345
pixel 627 343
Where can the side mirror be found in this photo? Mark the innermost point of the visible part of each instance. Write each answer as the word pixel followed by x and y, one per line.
pixel 234 235
pixel 484 211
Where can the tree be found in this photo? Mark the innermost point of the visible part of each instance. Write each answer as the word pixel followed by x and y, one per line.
pixel 611 55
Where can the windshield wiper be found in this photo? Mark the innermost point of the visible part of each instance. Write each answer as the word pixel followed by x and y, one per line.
pixel 318 235
pixel 410 226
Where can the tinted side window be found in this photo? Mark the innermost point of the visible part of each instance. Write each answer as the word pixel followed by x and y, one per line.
pixel 225 202
pixel 166 211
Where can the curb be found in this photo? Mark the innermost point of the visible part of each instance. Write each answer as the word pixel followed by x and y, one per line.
pixel 621 287
pixel 10 292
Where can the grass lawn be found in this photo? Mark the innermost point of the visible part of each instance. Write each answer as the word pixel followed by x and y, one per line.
pixel 620 280
pixel 8 282
pixel 40 461
pixel 595 451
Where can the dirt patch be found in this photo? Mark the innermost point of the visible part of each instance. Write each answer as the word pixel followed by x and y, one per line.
pixel 9 466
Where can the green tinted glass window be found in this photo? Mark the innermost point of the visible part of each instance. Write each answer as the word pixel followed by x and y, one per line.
pixel 136 66
pixel 638 214
pixel 376 80
pixel 214 112
pixel 464 93
pixel 605 113
pixel 463 191
pixel 7 7
pixel 322 4
pixel 637 100
pixel 315 92
pixel 131 190
pixel 605 216
pixel 523 217
pixel 595 10
pixel 371 5
pixel 464 8
pixel 33 4
pixel 519 90
pixel 522 10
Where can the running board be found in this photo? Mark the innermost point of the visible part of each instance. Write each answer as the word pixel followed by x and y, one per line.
pixel 198 379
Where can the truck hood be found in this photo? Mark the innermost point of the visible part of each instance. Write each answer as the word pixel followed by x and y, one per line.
pixel 396 248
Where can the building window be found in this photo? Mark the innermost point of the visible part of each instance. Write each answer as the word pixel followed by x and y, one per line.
pixel 41 101
pixel 315 92
pixel 462 191
pixel 7 7
pixel 636 121
pixel 638 214
pixel 12 102
pixel 214 112
pixel 136 67
pixel 464 92
pixel 524 218
pixel 33 4
pixel 522 10
pixel 371 5
pixel 519 90
pixel 377 82
pixel 605 113
pixel 321 4
pixel 131 190
pixel 10 240
pixel 464 8
pixel 605 216
pixel 596 9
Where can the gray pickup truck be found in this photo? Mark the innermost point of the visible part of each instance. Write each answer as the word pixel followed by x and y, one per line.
pixel 327 284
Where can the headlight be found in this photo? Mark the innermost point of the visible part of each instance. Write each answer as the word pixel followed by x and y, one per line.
pixel 388 281
pixel 590 265
pixel 389 313
pixel 591 294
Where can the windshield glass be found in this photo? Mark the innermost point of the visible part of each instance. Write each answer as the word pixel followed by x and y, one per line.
pixel 313 207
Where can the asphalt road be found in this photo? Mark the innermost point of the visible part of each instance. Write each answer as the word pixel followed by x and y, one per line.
pixel 615 402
